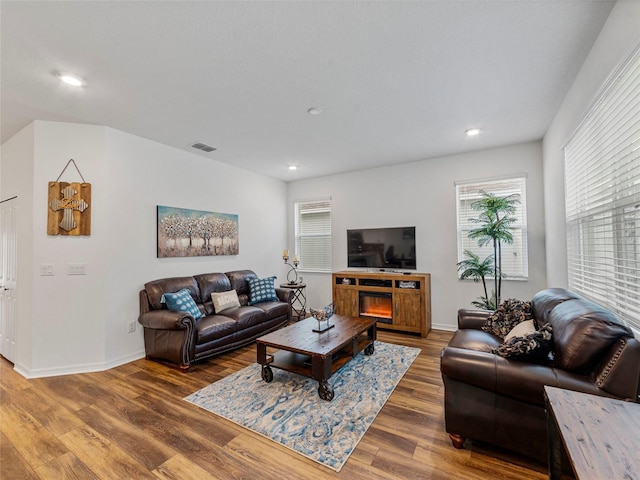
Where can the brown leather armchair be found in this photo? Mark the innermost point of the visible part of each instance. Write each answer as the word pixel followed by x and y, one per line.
pixel 500 401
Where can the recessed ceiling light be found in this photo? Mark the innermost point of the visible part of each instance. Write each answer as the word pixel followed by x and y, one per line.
pixel 472 132
pixel 292 167
pixel 71 79
pixel 314 111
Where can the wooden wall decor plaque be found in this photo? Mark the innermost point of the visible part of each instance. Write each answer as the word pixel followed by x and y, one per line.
pixel 69 208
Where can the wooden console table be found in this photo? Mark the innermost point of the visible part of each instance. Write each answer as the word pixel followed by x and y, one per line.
pixel 599 434
pixel 400 301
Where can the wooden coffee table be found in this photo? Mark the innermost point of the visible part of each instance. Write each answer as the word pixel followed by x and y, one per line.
pixel 300 350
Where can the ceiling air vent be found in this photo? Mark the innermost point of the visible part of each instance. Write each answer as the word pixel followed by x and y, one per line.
pixel 204 147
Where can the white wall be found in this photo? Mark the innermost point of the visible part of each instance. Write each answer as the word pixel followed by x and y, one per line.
pixel 79 323
pixel 620 34
pixel 67 322
pixel 17 181
pixel 423 194
pixel 174 178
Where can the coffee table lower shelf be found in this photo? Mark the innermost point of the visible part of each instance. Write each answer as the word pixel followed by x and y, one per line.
pixel 311 362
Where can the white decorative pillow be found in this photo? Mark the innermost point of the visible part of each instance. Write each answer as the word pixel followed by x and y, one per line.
pixel 224 300
pixel 521 330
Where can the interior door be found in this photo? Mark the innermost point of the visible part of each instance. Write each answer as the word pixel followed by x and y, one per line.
pixel 8 278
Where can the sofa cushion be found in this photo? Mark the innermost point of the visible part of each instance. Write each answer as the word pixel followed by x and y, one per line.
pixel 181 301
pixel 246 316
pixel 508 314
pixel 212 282
pixel 224 300
pixel 262 290
pixel 212 327
pixel 546 300
pixel 243 299
pixel 273 309
pixel 156 288
pixel 583 331
pixel 530 347
pixel 239 279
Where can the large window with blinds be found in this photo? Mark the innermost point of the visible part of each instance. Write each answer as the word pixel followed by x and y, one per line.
pixel 313 234
pixel 602 182
pixel 515 265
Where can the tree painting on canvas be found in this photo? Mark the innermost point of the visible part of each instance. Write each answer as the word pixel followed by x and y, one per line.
pixel 195 233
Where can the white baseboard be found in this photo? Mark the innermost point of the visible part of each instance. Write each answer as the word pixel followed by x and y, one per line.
pixel 126 359
pixel 444 326
pixel 75 369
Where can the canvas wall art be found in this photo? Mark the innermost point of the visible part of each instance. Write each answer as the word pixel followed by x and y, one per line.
pixel 196 233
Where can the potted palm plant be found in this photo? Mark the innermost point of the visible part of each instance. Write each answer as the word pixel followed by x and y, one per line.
pixel 495 222
pixel 476 269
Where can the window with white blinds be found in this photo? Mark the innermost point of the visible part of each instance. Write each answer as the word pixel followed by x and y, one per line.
pixel 602 184
pixel 515 263
pixel 313 235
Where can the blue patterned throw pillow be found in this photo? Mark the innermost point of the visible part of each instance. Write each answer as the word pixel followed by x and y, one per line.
pixel 182 302
pixel 262 290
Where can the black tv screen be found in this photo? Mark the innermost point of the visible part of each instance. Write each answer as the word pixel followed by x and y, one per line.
pixel 382 248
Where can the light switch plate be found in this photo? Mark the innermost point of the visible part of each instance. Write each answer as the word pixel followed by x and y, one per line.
pixel 47 269
pixel 77 269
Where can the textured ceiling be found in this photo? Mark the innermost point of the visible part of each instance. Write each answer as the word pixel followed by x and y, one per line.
pixel 396 81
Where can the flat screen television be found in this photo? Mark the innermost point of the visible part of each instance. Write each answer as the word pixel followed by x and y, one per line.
pixel 382 248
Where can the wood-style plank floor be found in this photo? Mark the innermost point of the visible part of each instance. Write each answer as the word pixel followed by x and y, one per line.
pixel 130 422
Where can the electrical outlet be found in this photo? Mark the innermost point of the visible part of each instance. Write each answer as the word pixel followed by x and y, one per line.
pixel 131 327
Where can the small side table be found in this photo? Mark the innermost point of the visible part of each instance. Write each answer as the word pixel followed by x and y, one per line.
pixel 298 300
pixel 599 434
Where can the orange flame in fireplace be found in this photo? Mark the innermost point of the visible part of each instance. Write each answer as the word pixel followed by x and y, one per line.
pixel 376 306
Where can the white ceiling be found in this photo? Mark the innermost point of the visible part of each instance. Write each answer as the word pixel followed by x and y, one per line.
pixel 396 81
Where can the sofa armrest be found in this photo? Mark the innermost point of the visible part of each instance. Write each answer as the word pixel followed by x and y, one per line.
pixel 469 366
pixel 169 335
pixel 472 318
pixel 619 372
pixel 166 320
pixel 284 294
pixel 511 378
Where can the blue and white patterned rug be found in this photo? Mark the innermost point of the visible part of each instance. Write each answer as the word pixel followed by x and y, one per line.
pixel 289 411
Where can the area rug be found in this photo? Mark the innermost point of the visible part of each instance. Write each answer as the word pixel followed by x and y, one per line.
pixel 289 411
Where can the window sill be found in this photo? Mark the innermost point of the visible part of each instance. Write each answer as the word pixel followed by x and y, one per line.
pixel 490 279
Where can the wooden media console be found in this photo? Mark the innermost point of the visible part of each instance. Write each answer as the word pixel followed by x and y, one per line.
pixel 396 300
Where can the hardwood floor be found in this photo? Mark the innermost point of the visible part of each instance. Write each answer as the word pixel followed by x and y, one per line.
pixel 130 422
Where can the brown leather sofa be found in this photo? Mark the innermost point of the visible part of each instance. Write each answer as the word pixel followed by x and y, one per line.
pixel 178 338
pixel 500 401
